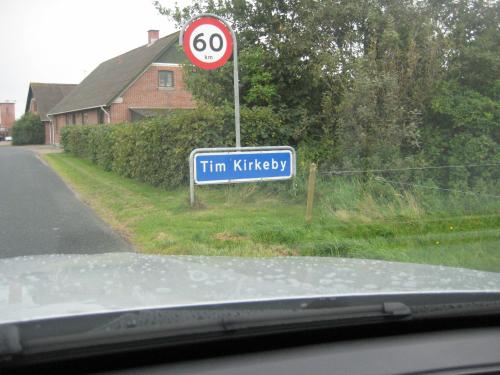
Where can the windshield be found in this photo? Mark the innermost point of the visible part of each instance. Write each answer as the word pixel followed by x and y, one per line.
pixel 156 155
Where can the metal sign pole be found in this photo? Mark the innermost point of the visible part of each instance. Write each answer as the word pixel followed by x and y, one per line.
pixel 235 69
pixel 191 179
pixel 236 90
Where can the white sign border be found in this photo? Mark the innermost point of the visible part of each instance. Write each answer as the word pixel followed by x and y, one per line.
pixel 242 180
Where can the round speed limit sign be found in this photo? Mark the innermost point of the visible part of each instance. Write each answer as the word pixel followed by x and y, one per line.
pixel 208 43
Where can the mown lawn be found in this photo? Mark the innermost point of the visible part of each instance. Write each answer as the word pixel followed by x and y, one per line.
pixel 247 220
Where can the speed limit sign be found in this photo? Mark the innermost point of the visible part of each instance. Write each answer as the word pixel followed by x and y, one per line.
pixel 208 43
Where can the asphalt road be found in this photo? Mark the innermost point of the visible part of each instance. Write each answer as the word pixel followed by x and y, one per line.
pixel 39 214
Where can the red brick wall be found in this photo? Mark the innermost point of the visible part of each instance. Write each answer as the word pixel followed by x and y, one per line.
pixel 145 93
pixel 59 123
pixel 7 115
pixel 89 117
pixel 46 126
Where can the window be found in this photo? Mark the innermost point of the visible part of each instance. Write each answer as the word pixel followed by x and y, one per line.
pixel 79 118
pixel 165 78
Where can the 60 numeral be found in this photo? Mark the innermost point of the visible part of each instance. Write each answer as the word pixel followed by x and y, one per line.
pixel 200 45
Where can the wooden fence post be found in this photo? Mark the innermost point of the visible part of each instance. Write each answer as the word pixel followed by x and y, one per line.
pixel 310 192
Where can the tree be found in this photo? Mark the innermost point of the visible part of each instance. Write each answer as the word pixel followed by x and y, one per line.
pixel 28 130
pixel 365 82
pixel 462 121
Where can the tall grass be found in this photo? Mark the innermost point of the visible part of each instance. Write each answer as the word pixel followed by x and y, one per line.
pixel 371 199
pixel 354 216
pixel 375 199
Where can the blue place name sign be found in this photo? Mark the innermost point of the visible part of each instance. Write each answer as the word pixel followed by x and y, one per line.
pixel 243 166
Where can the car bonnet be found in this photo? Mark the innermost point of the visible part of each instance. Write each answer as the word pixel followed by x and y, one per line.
pixel 48 286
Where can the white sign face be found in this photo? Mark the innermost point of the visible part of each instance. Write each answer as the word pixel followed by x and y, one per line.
pixel 208 43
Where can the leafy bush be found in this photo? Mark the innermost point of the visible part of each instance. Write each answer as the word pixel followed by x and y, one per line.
pixel 156 150
pixel 422 88
pixel 28 130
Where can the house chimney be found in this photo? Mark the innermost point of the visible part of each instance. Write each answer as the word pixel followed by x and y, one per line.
pixel 153 36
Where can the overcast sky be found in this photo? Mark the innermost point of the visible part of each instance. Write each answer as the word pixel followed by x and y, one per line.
pixel 62 41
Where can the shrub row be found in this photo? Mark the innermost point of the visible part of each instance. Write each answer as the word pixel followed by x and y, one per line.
pixel 156 151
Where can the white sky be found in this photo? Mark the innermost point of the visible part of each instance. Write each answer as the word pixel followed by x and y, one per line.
pixel 62 41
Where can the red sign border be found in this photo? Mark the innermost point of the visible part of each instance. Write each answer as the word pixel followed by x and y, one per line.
pixel 187 48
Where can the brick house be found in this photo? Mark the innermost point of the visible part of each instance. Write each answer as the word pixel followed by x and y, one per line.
pixel 128 87
pixel 7 117
pixel 41 98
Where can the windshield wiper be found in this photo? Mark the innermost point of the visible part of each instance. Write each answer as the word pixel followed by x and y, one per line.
pixel 313 315
pixel 182 324
pixel 143 329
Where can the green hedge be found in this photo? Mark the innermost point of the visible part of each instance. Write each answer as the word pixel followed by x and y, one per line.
pixel 28 130
pixel 156 150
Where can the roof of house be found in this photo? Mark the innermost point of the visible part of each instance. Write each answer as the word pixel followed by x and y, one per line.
pixel 47 95
pixel 112 77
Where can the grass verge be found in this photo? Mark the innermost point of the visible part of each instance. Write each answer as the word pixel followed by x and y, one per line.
pixel 247 220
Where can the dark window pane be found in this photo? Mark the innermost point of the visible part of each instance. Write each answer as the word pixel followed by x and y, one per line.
pixel 165 78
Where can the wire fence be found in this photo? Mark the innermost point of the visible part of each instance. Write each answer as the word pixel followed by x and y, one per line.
pixel 408 184
pixel 467 192
pixel 348 172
